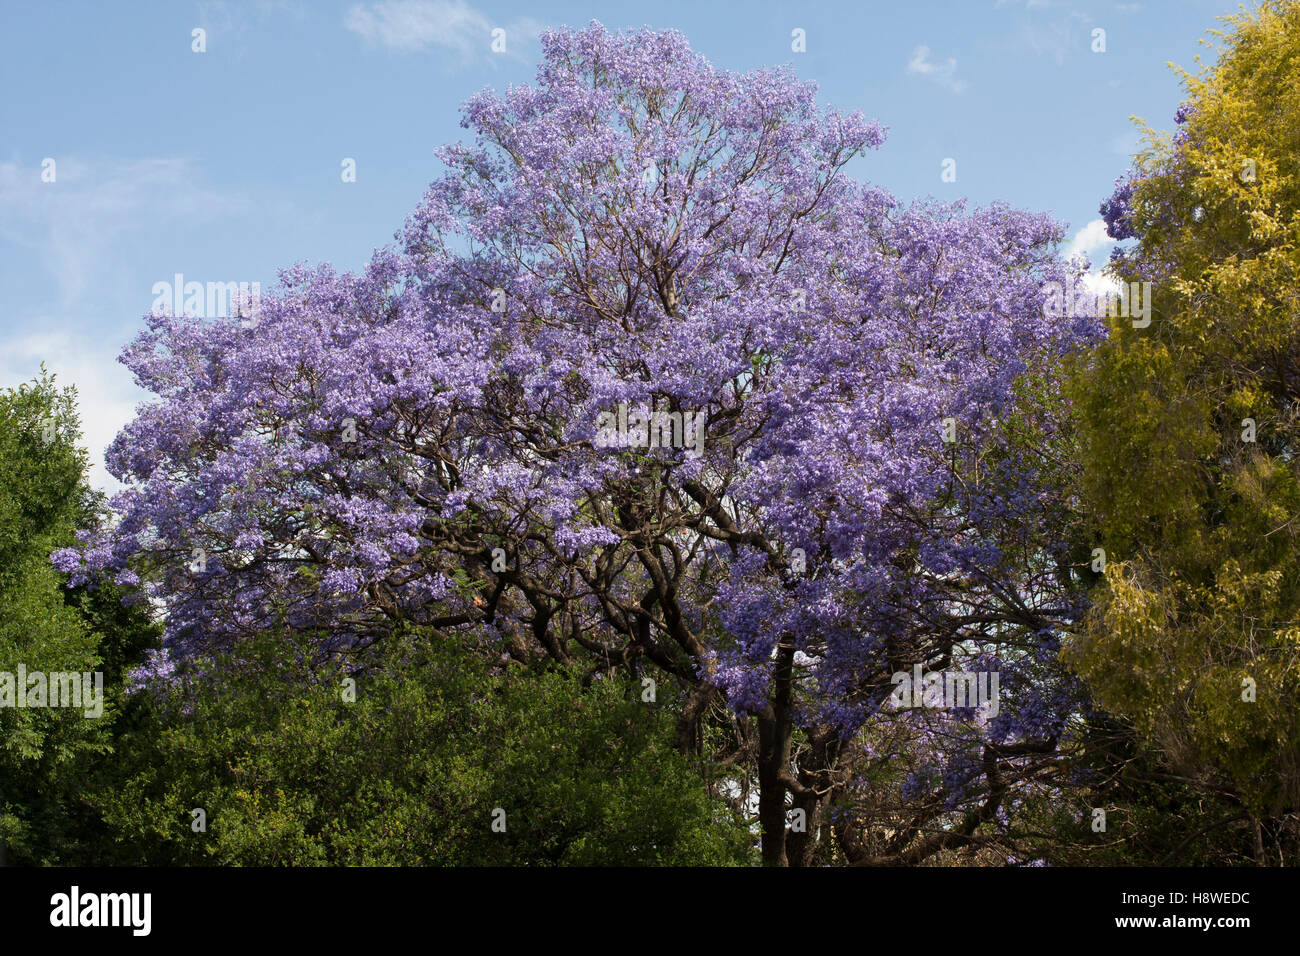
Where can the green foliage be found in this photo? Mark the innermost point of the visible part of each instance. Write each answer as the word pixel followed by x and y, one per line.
pixel 289 772
pixel 1202 525
pixel 45 753
pixel 1152 816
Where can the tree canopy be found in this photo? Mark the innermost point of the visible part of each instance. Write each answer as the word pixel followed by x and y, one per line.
pixel 1189 433
pixel 650 392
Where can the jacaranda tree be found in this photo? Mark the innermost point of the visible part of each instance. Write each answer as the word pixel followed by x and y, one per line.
pixel 651 383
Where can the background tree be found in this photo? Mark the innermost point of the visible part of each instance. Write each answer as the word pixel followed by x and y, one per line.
pixel 1190 432
pixel 47 754
pixel 292 768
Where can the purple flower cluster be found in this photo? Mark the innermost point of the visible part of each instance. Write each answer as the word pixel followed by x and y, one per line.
pixel 635 228
pixel 1117 209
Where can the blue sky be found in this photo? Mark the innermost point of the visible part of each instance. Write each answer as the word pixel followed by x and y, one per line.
pixel 225 165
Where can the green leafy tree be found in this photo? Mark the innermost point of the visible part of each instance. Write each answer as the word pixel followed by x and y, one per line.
pixel 1190 428
pixel 291 768
pixel 46 753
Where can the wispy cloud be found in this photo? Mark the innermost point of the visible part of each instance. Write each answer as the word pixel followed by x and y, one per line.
pixel 411 26
pixel 79 224
pixel 232 26
pixel 1059 39
pixel 74 233
pixel 944 73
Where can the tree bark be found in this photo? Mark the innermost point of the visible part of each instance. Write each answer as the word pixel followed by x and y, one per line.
pixel 774 730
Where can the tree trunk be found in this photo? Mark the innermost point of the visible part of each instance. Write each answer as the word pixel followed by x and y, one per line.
pixel 817 767
pixel 774 729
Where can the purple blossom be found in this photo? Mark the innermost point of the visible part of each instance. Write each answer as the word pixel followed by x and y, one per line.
pixel 636 229
pixel 1117 210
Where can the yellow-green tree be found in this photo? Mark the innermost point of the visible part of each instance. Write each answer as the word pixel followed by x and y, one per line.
pixel 1191 427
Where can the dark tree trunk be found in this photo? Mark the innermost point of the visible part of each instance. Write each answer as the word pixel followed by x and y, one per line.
pixel 817 768
pixel 774 730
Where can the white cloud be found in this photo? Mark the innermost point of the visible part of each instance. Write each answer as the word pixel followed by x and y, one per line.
pixel 410 26
pixel 1089 239
pixel 943 73
pixel 88 301
pixel 1098 283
